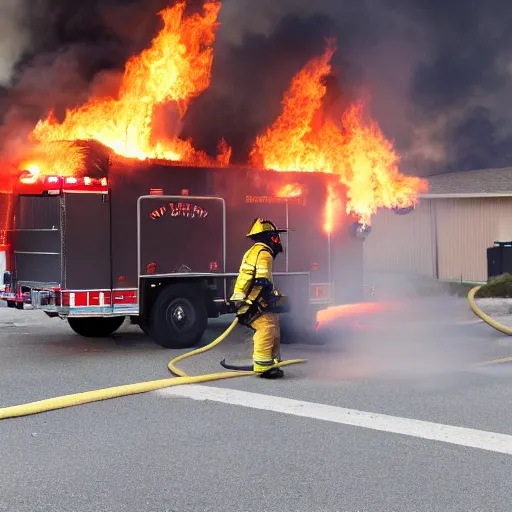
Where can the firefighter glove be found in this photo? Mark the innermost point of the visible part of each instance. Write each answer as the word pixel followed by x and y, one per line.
pixel 247 311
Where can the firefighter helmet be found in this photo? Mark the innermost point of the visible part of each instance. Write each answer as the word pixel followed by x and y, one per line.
pixel 265 231
pixel 263 226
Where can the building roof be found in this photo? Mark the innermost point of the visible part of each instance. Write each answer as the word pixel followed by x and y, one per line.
pixel 479 183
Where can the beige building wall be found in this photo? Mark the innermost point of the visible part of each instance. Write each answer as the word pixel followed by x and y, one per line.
pixel 447 237
pixel 402 243
pixel 465 229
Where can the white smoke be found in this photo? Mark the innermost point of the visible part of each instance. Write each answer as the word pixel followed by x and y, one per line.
pixel 417 335
pixel 14 37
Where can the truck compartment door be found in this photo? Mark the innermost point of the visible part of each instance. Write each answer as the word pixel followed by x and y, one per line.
pixel 86 242
pixel 36 241
pixel 181 234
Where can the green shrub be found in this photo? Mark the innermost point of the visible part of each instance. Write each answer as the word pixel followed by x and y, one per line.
pixel 499 286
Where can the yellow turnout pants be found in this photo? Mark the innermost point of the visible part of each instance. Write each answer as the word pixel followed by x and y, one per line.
pixel 267 338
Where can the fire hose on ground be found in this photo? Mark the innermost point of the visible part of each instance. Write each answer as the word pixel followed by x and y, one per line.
pixel 181 378
pixel 486 318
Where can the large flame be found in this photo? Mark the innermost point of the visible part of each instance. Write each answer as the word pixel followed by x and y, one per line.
pixel 305 138
pixel 173 70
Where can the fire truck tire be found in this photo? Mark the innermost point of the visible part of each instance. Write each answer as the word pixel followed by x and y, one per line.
pixel 179 317
pixel 96 327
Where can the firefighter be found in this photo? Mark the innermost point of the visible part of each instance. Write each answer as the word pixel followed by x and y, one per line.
pixel 256 298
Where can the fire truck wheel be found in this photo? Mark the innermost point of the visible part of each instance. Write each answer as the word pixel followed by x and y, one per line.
pixel 179 317
pixel 96 327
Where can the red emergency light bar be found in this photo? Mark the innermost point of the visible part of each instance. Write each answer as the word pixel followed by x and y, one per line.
pixel 30 183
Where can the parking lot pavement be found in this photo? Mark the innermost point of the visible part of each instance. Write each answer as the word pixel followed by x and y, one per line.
pixel 337 434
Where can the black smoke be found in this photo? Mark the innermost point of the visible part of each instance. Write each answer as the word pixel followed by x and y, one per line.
pixel 75 51
pixel 463 90
pixel 438 72
pixel 248 81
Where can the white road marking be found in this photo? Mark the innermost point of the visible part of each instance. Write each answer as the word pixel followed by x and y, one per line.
pixel 480 439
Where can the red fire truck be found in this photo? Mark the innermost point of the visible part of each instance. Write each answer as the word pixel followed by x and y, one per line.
pixel 162 244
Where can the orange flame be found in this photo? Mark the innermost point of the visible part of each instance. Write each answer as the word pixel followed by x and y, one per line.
pixel 290 190
pixel 350 313
pixel 173 70
pixel 61 158
pixel 332 207
pixel 224 153
pixel 304 138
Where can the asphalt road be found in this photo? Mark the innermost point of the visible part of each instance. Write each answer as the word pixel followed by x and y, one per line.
pixel 237 452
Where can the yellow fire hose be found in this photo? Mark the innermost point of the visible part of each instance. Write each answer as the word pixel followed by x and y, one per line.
pixel 489 321
pixel 486 318
pixel 182 378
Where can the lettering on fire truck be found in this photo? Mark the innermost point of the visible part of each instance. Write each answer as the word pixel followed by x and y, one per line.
pixel 187 210
pixel 275 200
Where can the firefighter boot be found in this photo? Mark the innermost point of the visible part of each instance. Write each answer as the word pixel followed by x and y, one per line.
pixel 272 373
pixel 266 346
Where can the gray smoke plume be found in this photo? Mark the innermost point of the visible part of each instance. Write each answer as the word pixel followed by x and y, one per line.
pixel 437 73
pixel 70 53
pixel 15 36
